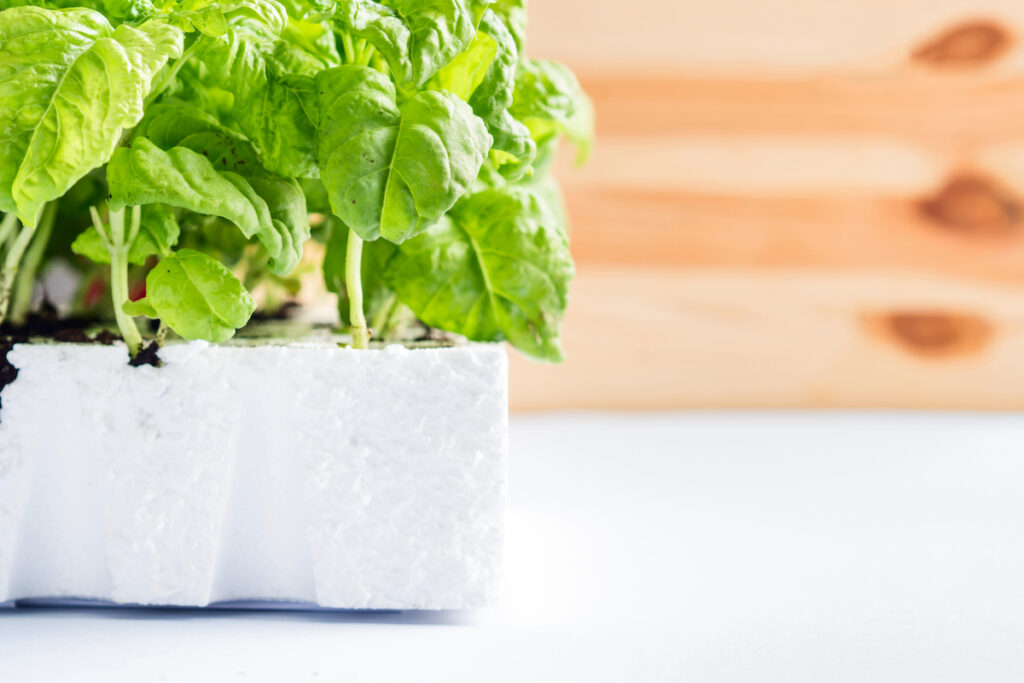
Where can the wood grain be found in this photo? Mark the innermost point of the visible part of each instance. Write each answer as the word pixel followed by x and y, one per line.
pixel 721 338
pixel 746 35
pixel 793 205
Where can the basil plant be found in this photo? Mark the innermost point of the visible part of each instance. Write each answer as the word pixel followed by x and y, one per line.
pixel 182 153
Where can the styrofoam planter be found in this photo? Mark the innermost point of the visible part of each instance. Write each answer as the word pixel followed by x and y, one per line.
pixel 303 472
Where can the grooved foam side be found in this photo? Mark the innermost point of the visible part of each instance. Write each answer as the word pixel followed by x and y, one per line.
pixel 308 473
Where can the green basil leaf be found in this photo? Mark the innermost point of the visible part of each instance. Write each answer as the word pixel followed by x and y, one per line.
pixel 550 101
pixel 465 73
pixel 497 268
pixel 513 14
pixel 70 86
pixel 416 37
pixel 393 171
pixel 484 75
pixel 198 297
pixel 139 307
pixel 275 108
pixel 269 208
pixel 514 149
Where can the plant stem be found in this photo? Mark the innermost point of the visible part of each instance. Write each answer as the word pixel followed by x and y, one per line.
pixel 161 333
pixel 10 268
pixel 26 278
pixel 350 50
pixel 118 246
pixel 354 287
pixel 7 226
pixel 378 326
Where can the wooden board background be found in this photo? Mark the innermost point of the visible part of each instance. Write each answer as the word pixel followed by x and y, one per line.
pixel 792 204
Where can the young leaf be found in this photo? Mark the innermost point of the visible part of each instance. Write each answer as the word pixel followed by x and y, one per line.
pixel 158 233
pixel 550 101
pixel 513 147
pixel 146 174
pixel 275 108
pixel 499 268
pixel 140 307
pixel 484 75
pixel 197 297
pixel 513 14
pixel 70 86
pixel 465 73
pixel 269 208
pixel 393 171
pixel 416 37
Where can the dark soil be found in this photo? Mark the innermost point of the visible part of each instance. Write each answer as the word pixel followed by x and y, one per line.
pixel 47 325
pixel 105 337
pixel 147 356
pixel 285 312
pixel 72 335
pixel 433 334
pixel 44 324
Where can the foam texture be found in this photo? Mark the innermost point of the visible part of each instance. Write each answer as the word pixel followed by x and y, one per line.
pixel 306 473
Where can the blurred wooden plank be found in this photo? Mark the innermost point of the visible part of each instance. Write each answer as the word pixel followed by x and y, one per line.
pixel 767 34
pixel 967 227
pixel 764 165
pixel 793 204
pixel 720 338
pixel 940 112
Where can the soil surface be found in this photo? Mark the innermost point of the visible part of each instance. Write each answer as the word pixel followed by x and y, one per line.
pixel 147 356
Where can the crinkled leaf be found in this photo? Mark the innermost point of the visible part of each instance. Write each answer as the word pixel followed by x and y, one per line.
pixel 271 209
pixel 274 107
pixel 69 86
pixel 146 174
pixel 306 48
pixel 198 297
pixel 484 75
pixel 394 171
pixel 497 268
pixel 550 101
pixel 158 233
pixel 289 222
pixel 415 37
pixel 465 73
pixel 513 148
pixel 513 14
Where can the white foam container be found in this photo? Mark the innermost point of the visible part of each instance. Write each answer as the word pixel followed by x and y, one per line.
pixel 302 473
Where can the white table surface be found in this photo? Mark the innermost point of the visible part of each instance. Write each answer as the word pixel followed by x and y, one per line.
pixel 736 547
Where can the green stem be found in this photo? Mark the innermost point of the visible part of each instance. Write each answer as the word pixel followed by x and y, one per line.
pixel 350 50
pixel 354 287
pixel 118 246
pixel 161 333
pixel 378 325
pixel 10 268
pixel 25 281
pixel 7 226
pixel 365 52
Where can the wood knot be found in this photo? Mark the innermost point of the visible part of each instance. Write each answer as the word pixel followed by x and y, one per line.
pixel 975 205
pixel 933 334
pixel 970 43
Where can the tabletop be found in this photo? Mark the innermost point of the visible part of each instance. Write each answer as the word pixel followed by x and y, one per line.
pixel 702 547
